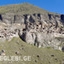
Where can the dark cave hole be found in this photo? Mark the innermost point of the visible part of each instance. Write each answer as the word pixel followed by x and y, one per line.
pixel 63 48
pixel 62 18
pixel 49 16
pixel 1 17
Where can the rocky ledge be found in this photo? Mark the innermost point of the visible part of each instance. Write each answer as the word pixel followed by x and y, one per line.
pixel 41 30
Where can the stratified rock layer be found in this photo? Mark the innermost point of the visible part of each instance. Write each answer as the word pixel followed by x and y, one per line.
pixel 42 30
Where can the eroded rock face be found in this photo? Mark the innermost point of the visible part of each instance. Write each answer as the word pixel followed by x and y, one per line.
pixel 42 30
pixel 40 39
pixel 30 37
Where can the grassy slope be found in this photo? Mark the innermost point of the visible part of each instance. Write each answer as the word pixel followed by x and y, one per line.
pixel 21 8
pixel 16 44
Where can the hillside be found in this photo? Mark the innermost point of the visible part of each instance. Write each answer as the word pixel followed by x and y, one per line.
pixel 26 30
pixel 38 55
pixel 24 8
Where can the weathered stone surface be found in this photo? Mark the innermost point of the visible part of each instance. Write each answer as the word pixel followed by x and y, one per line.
pixel 42 30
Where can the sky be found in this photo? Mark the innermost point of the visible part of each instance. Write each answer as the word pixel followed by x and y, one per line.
pixel 56 6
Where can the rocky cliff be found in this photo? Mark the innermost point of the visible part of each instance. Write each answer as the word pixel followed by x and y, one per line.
pixel 39 29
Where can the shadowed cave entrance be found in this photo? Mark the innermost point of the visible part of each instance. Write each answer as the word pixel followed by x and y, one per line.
pixel 1 17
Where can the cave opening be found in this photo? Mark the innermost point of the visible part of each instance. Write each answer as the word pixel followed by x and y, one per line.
pixel 62 18
pixel 1 17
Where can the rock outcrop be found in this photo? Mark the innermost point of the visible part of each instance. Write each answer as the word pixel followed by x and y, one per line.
pixel 42 30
